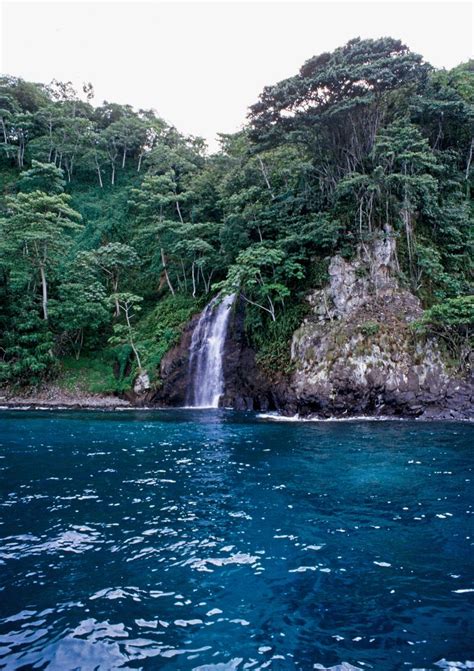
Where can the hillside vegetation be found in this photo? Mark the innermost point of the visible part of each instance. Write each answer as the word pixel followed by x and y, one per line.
pixel 115 228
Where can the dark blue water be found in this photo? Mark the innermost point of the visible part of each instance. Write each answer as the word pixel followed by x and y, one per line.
pixel 217 541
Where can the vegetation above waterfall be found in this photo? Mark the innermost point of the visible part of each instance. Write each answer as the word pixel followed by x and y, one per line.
pixel 115 228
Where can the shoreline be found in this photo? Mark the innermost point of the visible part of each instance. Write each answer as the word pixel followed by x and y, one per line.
pixel 55 397
pixel 114 404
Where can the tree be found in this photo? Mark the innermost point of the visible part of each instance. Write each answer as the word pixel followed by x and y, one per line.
pixel 95 153
pixel 453 322
pixel 26 352
pixel 81 309
pixel 337 102
pixel 37 230
pixel 45 177
pixel 113 259
pixel 260 276
pixel 8 108
pixel 444 110
pixel 152 203
pixel 129 306
pixel 21 130
pixel 197 246
pixel 408 165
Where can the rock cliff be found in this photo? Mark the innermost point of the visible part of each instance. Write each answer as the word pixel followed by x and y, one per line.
pixel 356 353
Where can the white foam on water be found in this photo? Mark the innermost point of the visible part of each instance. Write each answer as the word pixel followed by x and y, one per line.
pixel 274 416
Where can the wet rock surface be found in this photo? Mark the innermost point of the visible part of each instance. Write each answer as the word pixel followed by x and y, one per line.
pixel 246 387
pixel 174 371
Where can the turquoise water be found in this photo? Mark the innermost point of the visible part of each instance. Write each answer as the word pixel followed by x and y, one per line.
pixel 214 540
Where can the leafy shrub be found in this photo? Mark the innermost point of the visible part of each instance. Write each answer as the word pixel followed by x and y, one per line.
pixel 369 328
pixel 27 351
pixel 96 374
pixel 453 322
pixel 272 340
pixel 161 329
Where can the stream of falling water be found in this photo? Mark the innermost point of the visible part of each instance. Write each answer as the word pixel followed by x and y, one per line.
pixel 206 352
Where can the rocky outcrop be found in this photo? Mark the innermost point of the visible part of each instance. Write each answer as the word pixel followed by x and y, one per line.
pixel 356 353
pixel 246 387
pixel 142 383
pixel 174 371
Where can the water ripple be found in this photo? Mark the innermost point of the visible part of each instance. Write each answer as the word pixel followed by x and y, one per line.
pixel 216 541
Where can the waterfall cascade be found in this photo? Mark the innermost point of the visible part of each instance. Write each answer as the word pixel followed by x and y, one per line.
pixel 205 357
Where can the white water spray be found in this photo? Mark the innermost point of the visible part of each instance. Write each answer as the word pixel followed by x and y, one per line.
pixel 205 358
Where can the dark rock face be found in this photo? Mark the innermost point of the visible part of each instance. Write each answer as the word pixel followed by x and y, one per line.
pixel 174 371
pixel 246 388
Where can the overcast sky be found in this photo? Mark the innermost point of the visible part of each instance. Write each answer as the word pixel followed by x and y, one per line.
pixel 201 64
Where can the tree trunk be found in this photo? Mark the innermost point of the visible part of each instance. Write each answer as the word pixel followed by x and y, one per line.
pixel 468 166
pixel 179 212
pixel 5 137
pixel 209 278
pixel 117 304
pixel 265 177
pixel 44 287
pixel 271 310
pixel 194 280
pixel 132 344
pixel 184 276
pixel 163 261
pixel 79 343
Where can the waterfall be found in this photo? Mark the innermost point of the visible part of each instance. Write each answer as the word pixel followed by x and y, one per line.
pixel 205 355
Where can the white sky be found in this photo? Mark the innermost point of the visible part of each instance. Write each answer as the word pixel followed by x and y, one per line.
pixel 201 64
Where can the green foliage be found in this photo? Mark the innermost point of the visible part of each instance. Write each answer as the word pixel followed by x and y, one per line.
pixel 272 339
pixel 35 233
pixel 79 314
pixel 453 322
pixel 161 329
pixel 369 328
pixel 109 205
pixel 100 373
pixel 260 277
pixel 27 349
pixel 45 177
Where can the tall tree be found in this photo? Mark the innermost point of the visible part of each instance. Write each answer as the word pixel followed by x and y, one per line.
pixel 37 231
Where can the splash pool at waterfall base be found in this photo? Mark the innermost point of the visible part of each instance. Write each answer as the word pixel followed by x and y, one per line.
pixel 218 541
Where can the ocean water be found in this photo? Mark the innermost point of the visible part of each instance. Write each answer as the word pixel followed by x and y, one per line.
pixel 218 541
